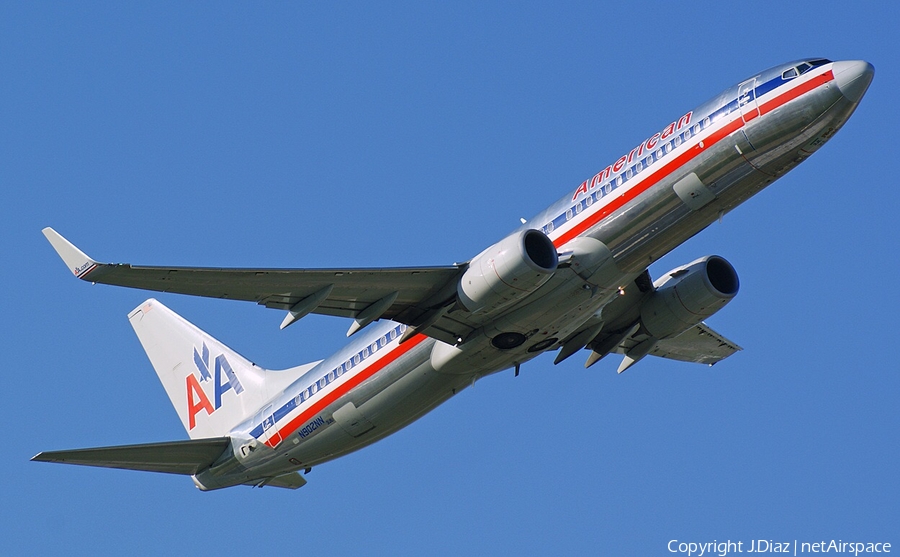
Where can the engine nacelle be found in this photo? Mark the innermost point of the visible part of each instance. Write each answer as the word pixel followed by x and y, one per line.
pixel 507 271
pixel 687 295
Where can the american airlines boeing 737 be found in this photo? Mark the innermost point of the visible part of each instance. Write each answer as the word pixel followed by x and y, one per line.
pixel 572 278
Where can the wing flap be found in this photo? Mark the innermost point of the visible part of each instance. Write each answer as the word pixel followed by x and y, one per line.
pixel 173 457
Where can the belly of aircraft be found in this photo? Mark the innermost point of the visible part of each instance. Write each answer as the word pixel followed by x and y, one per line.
pixel 397 403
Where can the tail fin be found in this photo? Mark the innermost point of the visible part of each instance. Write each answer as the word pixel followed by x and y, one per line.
pixel 211 387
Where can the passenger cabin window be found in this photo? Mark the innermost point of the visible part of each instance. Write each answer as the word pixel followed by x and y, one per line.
pixel 789 74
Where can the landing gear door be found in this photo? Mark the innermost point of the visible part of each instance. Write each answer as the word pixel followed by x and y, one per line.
pixel 747 100
pixel 352 420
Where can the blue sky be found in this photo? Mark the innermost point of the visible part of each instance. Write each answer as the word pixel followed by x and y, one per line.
pixel 279 135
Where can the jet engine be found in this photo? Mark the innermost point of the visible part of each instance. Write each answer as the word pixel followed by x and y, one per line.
pixel 687 295
pixel 507 271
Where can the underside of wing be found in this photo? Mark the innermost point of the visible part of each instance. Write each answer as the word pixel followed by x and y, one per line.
pixel 352 290
pixel 175 457
pixel 406 295
pixel 623 332
pixel 699 344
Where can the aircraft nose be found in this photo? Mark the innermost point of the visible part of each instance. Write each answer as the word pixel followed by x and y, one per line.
pixel 853 77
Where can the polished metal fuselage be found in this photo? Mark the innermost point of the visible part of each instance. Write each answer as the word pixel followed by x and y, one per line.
pixel 737 143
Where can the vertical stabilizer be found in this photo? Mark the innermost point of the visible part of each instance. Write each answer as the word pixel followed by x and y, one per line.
pixel 212 387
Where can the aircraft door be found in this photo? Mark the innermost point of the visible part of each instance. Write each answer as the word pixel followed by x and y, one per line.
pixel 269 429
pixel 747 100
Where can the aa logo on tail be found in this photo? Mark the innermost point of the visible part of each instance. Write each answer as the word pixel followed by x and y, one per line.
pixel 197 399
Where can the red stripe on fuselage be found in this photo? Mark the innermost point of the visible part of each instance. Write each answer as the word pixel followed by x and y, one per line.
pixel 686 157
pixel 788 96
pixel 343 389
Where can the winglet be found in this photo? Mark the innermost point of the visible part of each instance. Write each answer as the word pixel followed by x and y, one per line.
pixel 75 259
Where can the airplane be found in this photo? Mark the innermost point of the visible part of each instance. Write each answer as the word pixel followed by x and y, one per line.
pixel 572 278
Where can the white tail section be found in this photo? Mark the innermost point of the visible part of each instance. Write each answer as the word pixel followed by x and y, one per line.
pixel 212 387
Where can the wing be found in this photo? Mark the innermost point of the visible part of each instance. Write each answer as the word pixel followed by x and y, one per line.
pixel 408 295
pixel 175 457
pixel 699 344
pixel 617 329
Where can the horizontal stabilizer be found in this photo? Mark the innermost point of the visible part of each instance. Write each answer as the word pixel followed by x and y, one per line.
pixel 174 457
pixel 294 480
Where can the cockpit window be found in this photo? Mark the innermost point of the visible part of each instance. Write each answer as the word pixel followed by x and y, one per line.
pixel 802 68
